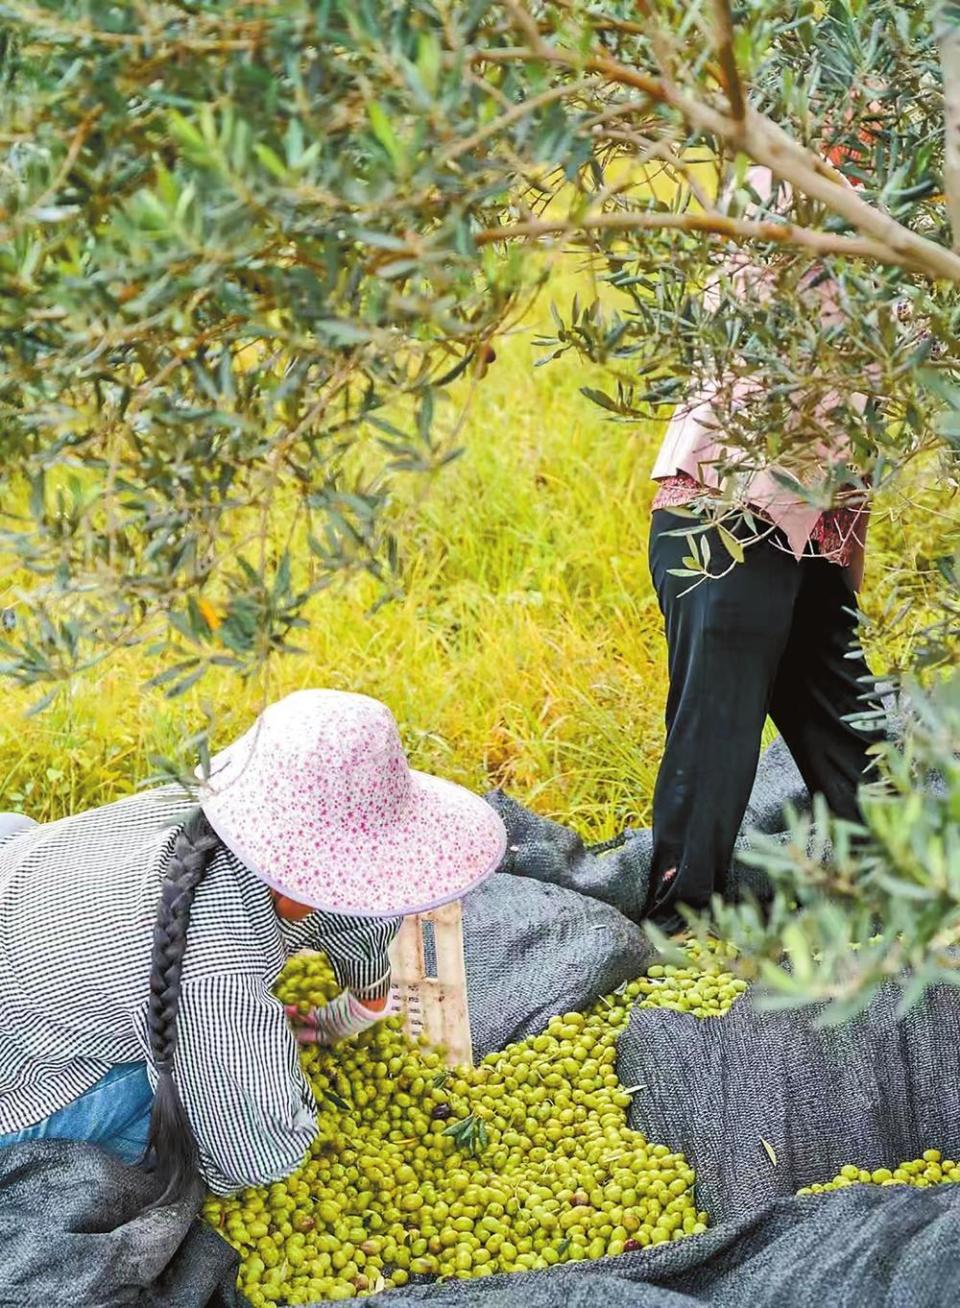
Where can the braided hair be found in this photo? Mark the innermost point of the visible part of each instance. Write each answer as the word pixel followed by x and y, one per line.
pixel 171 1149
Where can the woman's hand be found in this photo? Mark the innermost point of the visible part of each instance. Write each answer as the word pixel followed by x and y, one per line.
pixel 343 1017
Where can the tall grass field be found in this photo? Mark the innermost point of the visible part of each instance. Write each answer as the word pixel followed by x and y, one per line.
pixel 525 650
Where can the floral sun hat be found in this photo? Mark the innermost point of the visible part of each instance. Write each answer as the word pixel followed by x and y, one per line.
pixel 318 799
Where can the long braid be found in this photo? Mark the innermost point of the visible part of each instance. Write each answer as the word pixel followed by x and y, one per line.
pixel 172 1147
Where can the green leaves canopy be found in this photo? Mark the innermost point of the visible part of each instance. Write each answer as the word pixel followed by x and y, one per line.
pixel 224 255
pixel 245 245
pixel 242 240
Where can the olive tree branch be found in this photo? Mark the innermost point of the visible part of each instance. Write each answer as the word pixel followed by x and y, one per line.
pixel 527 24
pixel 767 144
pixel 594 21
pixel 728 62
pixel 719 224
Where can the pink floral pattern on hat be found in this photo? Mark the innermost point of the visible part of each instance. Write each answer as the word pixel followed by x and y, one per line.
pixel 318 799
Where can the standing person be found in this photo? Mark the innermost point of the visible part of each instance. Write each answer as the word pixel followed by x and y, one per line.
pixel 774 635
pixel 141 940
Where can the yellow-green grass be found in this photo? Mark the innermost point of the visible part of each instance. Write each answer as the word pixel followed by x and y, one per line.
pixel 526 650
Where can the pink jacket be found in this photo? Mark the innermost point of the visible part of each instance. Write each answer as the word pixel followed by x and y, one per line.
pixel 693 442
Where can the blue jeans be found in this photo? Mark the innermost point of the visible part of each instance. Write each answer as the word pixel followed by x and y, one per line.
pixel 114 1113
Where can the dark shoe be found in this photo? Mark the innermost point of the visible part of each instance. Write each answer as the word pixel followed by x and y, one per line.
pixel 671 924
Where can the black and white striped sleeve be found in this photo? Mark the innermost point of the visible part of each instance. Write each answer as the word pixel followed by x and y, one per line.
pixel 356 947
pixel 239 1075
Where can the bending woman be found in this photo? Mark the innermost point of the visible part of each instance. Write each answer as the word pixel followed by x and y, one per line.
pixel 139 942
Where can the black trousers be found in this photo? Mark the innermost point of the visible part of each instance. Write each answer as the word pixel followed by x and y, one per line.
pixel 773 637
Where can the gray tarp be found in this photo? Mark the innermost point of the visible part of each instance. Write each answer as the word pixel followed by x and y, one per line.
pixel 858 1248
pixel 558 926
pixel 533 950
pixel 550 852
pixel 550 933
pixel 74 1234
pixel 875 1093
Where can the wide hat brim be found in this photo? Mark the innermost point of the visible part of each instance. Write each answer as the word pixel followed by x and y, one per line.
pixel 442 843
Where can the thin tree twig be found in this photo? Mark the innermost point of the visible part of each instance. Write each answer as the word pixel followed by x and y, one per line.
pixel 514 114
pixel 622 109
pixel 728 60
pixel 42 20
pixel 650 150
pixel 683 167
pixel 527 24
pixel 63 172
pixel 742 229
pixel 597 24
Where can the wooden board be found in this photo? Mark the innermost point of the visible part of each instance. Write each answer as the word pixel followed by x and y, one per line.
pixel 430 981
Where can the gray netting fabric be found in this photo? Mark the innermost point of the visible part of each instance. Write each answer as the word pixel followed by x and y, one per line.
pixel 557 926
pixel 555 929
pixel 74 1234
pixel 857 1248
pixel 549 852
pixel 875 1093
pixel 534 949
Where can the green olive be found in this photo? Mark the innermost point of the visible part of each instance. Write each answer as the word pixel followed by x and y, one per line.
pixel 387 1190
